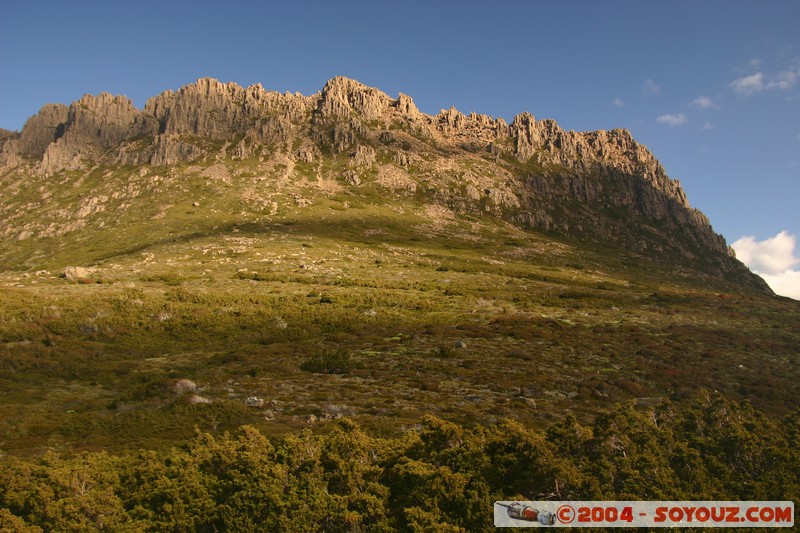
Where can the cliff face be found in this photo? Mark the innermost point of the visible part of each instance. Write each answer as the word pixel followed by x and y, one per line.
pixel 93 125
pixel 62 137
pixel 600 185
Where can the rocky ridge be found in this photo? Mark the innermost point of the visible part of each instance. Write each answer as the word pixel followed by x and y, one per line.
pixel 531 172
pixel 61 137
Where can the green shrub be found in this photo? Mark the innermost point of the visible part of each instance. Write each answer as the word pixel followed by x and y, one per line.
pixel 328 362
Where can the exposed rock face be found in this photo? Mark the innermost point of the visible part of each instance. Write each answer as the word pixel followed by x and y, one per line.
pixel 167 130
pixel 341 96
pixel 93 123
pixel 207 108
pixel 405 105
pixel 214 110
pixel 364 156
pixel 62 137
pixel 39 131
pixel 171 150
pixel 531 172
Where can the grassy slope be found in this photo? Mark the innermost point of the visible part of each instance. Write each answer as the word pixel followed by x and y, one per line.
pixel 465 317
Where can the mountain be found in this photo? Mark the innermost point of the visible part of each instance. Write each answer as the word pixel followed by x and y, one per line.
pixel 601 187
pixel 230 256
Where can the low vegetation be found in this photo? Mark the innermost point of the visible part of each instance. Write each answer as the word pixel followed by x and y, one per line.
pixel 437 475
pixel 253 350
pixel 391 327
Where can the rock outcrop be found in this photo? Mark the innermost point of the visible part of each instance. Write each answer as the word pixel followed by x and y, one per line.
pixel 165 132
pixel 39 132
pixel 175 127
pixel 93 124
pixel 342 96
pixel 406 106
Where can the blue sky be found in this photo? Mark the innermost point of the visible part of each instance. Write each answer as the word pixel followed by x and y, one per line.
pixel 711 87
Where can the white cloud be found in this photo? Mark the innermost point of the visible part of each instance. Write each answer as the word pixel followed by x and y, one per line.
pixel 784 80
pixel 754 83
pixel 672 120
pixel 703 102
pixel 619 102
pixel 785 284
pixel 749 84
pixel 707 126
pixel 651 87
pixel 774 260
pixel 772 256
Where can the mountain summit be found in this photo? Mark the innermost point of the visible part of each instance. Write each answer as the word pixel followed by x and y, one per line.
pixel 278 152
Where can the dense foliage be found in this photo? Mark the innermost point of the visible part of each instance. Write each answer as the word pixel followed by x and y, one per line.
pixel 439 476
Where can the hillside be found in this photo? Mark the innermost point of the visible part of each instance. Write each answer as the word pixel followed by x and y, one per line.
pixel 261 155
pixel 343 254
pixel 242 310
